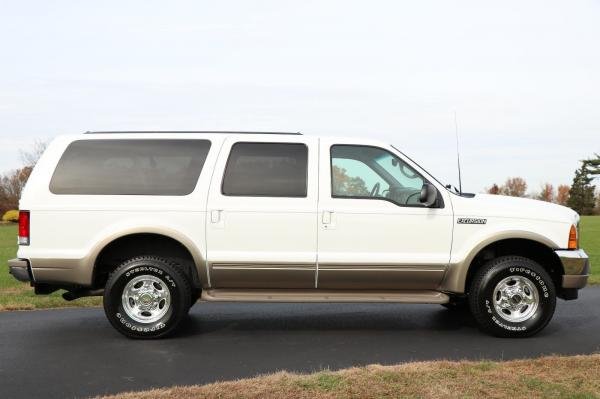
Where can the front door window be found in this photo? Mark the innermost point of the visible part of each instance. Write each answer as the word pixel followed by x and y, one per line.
pixel 373 173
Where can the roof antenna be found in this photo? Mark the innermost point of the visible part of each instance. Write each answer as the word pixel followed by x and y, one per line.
pixel 457 153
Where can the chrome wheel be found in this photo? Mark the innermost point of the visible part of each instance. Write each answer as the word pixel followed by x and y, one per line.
pixel 146 299
pixel 516 298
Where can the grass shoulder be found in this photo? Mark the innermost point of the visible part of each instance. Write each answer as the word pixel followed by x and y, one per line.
pixel 557 377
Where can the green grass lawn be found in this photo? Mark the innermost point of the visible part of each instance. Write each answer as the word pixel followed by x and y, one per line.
pixel 16 295
pixel 590 242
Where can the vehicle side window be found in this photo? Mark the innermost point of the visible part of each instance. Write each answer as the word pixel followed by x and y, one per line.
pixel 266 170
pixel 130 167
pixel 354 178
pixel 403 173
pixel 373 173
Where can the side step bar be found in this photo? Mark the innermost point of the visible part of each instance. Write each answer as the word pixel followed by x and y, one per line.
pixel 258 295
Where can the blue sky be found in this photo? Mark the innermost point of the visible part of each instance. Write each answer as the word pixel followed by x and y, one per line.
pixel 523 76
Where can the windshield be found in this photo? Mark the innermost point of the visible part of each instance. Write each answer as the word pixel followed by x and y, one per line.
pixel 446 186
pixel 403 175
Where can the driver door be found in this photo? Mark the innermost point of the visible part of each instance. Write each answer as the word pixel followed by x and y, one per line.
pixel 373 231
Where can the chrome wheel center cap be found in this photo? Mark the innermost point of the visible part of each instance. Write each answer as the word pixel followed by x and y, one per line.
pixel 146 299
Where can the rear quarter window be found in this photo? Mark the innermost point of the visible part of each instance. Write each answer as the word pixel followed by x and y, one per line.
pixel 130 167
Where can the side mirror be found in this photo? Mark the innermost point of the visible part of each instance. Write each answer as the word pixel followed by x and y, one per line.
pixel 428 194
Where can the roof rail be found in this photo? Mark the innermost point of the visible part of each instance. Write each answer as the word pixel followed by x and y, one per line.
pixel 190 131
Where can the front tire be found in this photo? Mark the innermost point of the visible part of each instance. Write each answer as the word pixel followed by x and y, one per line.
pixel 512 296
pixel 147 297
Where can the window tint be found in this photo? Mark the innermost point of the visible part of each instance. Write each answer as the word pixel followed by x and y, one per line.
pixel 374 173
pixel 130 167
pixel 266 169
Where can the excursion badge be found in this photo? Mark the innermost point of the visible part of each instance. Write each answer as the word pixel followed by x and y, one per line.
pixel 471 221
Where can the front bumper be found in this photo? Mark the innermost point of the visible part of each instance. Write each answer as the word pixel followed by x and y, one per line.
pixel 576 265
pixel 20 269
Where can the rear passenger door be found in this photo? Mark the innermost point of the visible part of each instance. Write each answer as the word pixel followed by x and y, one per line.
pixel 261 226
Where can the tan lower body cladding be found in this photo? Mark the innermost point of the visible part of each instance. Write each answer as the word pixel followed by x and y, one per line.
pixel 245 275
pixel 328 276
pixel 379 277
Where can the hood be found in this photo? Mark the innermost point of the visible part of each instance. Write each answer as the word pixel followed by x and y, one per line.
pixel 483 205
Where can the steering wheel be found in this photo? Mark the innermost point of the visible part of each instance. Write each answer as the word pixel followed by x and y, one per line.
pixel 375 190
pixel 406 172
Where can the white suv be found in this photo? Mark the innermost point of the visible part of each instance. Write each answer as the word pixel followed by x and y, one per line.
pixel 155 220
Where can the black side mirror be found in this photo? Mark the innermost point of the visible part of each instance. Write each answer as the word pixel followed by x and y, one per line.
pixel 428 194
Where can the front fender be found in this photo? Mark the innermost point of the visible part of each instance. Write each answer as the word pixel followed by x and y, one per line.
pixel 464 252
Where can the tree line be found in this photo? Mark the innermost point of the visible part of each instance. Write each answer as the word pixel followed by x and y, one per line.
pixel 13 182
pixel 580 195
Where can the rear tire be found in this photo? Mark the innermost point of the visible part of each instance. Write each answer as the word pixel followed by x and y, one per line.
pixel 147 297
pixel 512 296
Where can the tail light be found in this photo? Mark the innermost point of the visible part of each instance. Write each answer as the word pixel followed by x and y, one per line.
pixel 24 231
pixel 573 238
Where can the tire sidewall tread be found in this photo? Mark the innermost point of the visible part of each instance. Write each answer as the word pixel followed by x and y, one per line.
pixel 481 296
pixel 173 277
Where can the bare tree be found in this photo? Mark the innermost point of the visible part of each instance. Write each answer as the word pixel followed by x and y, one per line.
pixel 30 158
pixel 493 190
pixel 562 194
pixel 13 182
pixel 547 193
pixel 11 186
pixel 515 187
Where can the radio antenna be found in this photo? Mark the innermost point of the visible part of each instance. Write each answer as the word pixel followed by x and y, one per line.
pixel 457 153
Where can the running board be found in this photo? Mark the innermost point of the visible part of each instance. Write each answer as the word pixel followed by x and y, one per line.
pixel 258 295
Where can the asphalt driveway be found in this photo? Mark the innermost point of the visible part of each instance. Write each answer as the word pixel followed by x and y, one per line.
pixel 76 353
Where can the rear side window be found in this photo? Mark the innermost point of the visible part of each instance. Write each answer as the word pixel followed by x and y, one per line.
pixel 130 167
pixel 266 170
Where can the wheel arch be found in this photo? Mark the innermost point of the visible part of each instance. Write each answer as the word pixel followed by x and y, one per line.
pixel 529 245
pixel 124 244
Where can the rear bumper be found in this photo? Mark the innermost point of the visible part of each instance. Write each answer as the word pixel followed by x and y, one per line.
pixel 576 265
pixel 20 269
